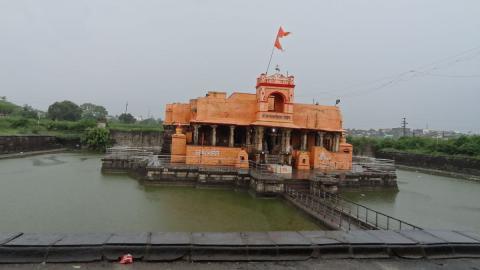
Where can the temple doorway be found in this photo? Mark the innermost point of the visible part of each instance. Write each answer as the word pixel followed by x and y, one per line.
pixel 273 141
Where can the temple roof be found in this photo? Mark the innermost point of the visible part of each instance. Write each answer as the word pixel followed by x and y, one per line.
pixel 255 109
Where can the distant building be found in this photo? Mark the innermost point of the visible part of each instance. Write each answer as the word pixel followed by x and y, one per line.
pixel 398 132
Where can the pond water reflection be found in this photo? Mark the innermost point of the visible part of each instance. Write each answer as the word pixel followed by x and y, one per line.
pixel 428 201
pixel 67 193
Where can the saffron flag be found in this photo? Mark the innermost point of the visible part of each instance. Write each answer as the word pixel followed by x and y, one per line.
pixel 281 33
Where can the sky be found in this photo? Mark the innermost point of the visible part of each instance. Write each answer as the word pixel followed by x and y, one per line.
pixel 384 60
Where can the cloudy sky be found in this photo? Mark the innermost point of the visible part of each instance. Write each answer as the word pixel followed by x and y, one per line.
pixel 384 59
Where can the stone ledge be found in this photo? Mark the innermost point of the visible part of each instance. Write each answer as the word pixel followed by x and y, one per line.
pixel 237 246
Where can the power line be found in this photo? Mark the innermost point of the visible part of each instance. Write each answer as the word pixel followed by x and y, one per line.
pixel 452 76
pixel 422 70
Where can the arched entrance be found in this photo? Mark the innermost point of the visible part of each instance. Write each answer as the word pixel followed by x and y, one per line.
pixel 276 102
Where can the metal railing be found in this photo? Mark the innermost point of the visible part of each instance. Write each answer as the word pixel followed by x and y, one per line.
pixel 349 214
pixel 259 168
pixel 327 212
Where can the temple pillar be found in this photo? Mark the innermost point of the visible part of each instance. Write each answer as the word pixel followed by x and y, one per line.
pixel 214 135
pixel 320 138
pixel 331 144
pixel 231 139
pixel 259 138
pixel 337 142
pixel 288 134
pixel 195 134
pixel 282 141
pixel 247 139
pixel 303 146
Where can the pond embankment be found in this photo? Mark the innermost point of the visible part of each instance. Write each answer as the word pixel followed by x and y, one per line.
pixel 455 166
pixel 10 145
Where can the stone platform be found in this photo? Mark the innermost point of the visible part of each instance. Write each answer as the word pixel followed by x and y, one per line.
pixel 237 246
pixel 153 169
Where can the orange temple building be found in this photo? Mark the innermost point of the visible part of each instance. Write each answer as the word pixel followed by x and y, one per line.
pixel 263 127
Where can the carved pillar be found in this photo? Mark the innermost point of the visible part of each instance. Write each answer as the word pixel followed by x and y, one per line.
pixel 282 141
pixel 232 134
pixel 248 139
pixel 288 134
pixel 259 138
pixel 337 142
pixel 214 135
pixel 304 141
pixel 288 149
pixel 195 134
pixel 320 138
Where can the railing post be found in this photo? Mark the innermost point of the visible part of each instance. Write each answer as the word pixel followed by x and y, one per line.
pixel 340 224
pixel 349 217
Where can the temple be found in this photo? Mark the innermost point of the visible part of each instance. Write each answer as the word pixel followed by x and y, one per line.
pixel 266 127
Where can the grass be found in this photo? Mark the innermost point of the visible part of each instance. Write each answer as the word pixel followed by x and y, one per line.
pixel 135 127
pixel 14 125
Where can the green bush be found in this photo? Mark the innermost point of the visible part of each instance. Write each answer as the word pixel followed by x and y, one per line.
pixel 97 139
pixel 464 145
pixel 19 123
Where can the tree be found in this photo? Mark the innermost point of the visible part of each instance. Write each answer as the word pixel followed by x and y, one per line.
pixel 64 110
pixel 127 118
pixel 92 111
pixel 7 107
pixel 28 112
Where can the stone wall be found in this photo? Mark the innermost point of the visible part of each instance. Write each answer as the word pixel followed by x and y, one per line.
pixel 17 144
pixel 464 165
pixel 137 138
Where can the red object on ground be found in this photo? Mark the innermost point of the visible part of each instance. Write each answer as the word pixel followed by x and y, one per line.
pixel 126 259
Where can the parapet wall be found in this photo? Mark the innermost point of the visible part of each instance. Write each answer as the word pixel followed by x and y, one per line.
pixel 463 165
pixel 237 246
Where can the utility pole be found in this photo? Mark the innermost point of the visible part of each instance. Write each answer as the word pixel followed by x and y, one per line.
pixel 404 126
pixel 126 107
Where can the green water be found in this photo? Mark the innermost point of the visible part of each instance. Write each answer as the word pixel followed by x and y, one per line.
pixel 67 193
pixel 428 201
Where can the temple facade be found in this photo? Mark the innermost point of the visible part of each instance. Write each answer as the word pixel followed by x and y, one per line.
pixel 266 127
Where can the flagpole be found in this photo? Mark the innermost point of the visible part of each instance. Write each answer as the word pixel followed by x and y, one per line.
pixel 270 60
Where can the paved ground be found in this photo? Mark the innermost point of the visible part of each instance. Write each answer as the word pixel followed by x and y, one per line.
pixel 372 264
